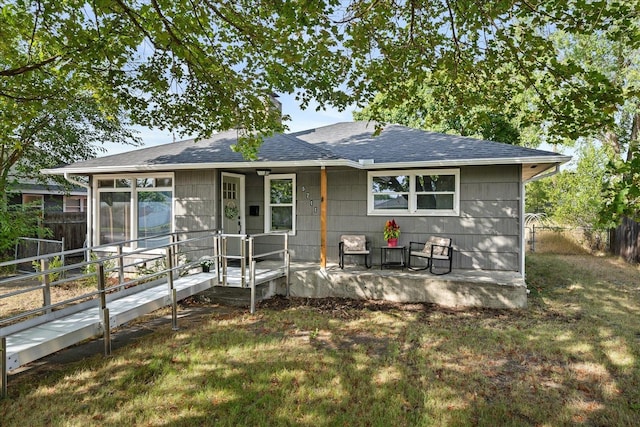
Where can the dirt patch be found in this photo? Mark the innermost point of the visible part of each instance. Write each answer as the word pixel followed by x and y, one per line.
pixel 339 306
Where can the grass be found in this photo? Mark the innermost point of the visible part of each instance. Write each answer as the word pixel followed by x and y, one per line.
pixel 32 300
pixel 571 358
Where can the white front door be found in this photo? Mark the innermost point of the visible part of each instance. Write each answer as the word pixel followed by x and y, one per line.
pixel 232 205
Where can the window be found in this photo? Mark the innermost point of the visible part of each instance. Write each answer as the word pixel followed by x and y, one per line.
pixel 229 190
pixel 414 192
pixel 136 207
pixel 74 203
pixel 280 203
pixel 33 200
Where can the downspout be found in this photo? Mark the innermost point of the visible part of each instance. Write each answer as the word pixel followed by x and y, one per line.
pixel 89 207
pixel 523 243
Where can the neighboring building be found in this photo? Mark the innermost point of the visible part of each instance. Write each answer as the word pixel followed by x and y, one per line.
pixel 322 183
pixel 50 197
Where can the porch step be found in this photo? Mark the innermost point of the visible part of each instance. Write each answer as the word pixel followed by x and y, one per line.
pixel 241 297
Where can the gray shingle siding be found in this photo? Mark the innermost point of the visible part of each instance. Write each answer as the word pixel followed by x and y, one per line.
pixel 195 200
pixel 483 238
pixel 486 234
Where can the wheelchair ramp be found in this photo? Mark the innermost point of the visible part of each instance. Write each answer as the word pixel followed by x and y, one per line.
pixel 42 340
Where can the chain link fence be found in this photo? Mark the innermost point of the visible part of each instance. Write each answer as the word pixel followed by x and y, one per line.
pixel 565 240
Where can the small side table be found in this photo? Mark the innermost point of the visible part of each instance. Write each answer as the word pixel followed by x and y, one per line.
pixel 385 257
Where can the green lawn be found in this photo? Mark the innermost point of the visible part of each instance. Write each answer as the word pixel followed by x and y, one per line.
pixel 572 358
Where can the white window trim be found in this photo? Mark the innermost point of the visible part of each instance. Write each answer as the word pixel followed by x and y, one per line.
pixel 35 198
pixel 267 201
pixel 412 209
pixel 82 207
pixel 133 200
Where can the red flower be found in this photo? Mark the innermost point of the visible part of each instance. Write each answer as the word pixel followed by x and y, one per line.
pixel 391 230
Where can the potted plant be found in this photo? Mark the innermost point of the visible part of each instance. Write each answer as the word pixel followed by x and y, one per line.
pixel 391 232
pixel 206 262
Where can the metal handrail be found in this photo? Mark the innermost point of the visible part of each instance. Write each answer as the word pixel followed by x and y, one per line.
pixel 106 246
pixel 48 307
pixel 218 246
pixel 171 264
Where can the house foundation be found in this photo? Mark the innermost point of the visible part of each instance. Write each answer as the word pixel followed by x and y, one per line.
pixel 467 288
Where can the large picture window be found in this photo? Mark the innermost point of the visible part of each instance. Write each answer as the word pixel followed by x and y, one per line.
pixel 414 192
pixel 280 203
pixel 135 207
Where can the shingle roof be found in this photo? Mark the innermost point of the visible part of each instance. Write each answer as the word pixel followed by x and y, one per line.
pixel 341 143
pixel 400 144
pixel 217 149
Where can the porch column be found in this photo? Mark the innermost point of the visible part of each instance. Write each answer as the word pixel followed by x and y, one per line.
pixel 323 218
pixel 523 240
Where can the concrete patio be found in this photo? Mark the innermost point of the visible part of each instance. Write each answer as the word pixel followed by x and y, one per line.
pixel 460 288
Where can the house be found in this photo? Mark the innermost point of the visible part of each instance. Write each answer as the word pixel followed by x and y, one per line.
pixel 63 212
pixel 320 184
pixel 49 197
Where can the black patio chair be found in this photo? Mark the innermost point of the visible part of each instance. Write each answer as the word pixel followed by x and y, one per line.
pixel 352 244
pixel 434 249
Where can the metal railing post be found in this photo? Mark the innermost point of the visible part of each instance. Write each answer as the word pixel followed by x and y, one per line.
pixel 64 272
pixel 120 267
pixel 216 256
pixel 224 260
pixel 252 266
pixel 16 253
pixel 287 272
pixel 173 240
pixel 287 262
pixel 243 261
pixel 104 311
pixel 172 291
pixel 533 238
pixel 46 285
pixel 253 286
pixel 3 367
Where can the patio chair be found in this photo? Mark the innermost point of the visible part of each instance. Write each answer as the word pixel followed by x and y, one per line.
pixel 434 249
pixel 351 244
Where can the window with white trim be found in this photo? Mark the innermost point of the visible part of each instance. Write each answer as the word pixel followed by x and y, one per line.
pixel 414 192
pixel 280 203
pixel 135 207
pixel 74 203
pixel 34 200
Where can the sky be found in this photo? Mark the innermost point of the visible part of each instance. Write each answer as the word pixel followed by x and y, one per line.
pixel 300 120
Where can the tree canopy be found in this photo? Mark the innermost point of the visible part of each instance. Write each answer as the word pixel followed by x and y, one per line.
pixel 197 67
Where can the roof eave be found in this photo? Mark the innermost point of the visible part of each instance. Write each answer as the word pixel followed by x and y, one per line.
pixel 191 166
pixel 550 160
pixel 537 160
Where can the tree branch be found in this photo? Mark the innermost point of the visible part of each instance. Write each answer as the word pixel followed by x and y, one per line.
pixel 454 35
pixel 633 140
pixel 134 19
pixel 357 15
pixel 12 72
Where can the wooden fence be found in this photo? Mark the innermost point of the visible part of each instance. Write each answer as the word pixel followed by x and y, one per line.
pixel 72 226
pixel 625 240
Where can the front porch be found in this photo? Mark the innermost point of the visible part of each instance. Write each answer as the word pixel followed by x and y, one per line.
pixel 460 288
